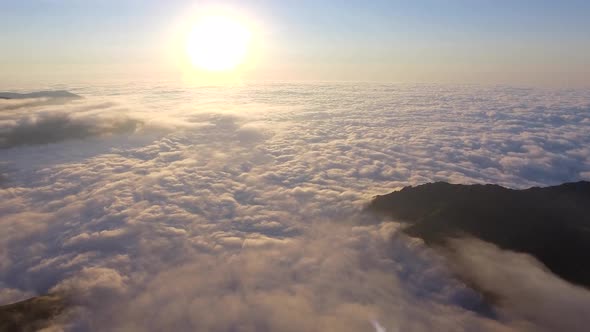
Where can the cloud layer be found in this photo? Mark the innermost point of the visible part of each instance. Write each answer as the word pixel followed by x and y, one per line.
pixel 227 209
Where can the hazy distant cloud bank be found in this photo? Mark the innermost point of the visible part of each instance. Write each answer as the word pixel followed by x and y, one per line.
pixel 239 208
pixel 43 121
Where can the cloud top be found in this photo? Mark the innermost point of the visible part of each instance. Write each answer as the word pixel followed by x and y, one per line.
pixel 219 209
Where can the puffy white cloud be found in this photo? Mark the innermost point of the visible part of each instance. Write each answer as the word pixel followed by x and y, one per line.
pixel 524 286
pixel 240 208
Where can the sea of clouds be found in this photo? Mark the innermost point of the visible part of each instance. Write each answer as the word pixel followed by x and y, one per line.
pixel 166 207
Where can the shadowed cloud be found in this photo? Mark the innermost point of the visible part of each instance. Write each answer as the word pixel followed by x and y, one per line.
pixel 241 207
pixel 61 127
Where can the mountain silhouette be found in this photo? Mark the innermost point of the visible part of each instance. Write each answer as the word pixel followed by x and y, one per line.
pixel 33 314
pixel 60 94
pixel 550 223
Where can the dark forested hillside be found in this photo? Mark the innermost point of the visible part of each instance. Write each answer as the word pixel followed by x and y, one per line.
pixel 551 223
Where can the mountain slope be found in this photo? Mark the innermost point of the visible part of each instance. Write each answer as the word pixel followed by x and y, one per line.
pixel 551 223
pixel 30 315
pixel 60 94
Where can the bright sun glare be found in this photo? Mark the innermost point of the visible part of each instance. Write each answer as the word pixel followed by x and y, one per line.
pixel 218 44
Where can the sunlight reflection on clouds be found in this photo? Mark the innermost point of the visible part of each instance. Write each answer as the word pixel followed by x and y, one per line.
pixel 246 202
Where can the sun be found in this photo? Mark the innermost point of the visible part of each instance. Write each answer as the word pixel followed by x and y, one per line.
pixel 218 44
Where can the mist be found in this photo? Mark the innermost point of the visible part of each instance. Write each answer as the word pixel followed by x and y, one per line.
pixel 243 208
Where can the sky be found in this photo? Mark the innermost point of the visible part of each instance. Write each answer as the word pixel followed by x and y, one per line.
pixel 520 43
pixel 164 206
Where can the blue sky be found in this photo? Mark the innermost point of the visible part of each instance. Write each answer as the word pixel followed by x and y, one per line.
pixel 521 42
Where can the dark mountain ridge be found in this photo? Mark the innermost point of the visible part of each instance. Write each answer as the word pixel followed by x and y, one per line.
pixel 33 314
pixel 59 94
pixel 551 223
